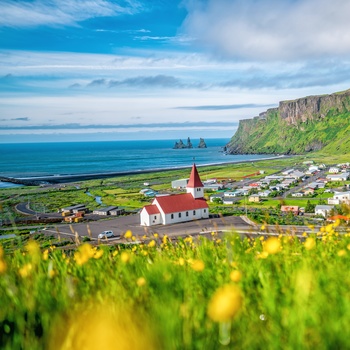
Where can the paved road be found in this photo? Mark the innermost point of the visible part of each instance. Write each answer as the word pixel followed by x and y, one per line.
pixel 121 224
pixel 131 222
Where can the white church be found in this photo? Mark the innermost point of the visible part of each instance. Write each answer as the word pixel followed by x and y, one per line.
pixel 178 207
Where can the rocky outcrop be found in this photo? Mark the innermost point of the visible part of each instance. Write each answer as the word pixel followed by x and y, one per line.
pixel 181 145
pixel 314 107
pixel 299 126
pixel 202 143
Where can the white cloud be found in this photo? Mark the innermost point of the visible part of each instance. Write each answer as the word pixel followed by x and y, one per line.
pixel 58 12
pixel 271 30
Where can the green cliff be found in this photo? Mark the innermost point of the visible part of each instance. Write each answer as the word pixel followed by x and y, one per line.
pixel 295 127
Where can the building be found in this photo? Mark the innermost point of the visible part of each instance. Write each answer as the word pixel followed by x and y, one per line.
pixel 181 183
pixel 340 198
pixel 338 177
pixel 323 210
pixel 333 170
pixel 290 209
pixel 105 211
pixel 254 198
pixel 74 208
pixel 177 208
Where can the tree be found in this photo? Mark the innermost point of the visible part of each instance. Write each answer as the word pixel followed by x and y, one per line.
pixel 310 208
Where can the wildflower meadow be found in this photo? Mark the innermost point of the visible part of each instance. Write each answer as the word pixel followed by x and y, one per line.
pixel 234 292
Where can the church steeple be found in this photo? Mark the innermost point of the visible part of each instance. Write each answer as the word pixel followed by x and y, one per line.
pixel 194 185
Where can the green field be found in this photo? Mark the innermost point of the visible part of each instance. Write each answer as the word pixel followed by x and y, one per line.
pixel 196 293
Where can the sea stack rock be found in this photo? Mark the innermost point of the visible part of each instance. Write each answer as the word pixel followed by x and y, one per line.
pixel 179 145
pixel 202 143
pixel 189 143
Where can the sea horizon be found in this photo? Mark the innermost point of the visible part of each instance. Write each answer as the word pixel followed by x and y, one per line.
pixel 57 159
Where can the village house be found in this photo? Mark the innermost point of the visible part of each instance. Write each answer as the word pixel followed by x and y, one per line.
pixel 285 209
pixel 105 211
pixel 308 191
pixel 216 196
pixel 338 177
pixel 287 172
pixel 298 194
pixel 333 170
pixel 254 198
pixel 340 198
pixel 323 210
pixel 177 208
pixel 339 217
pixel 265 193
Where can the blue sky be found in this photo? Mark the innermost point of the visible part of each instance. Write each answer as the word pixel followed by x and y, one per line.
pixel 137 69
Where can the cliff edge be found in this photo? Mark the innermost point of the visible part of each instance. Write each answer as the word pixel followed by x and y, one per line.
pixel 303 125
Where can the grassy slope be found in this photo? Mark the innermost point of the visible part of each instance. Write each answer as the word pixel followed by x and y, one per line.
pixel 273 135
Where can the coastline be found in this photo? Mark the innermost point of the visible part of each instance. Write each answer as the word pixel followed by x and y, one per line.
pixel 66 178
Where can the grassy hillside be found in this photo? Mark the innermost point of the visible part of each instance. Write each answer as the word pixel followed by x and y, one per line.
pixel 275 135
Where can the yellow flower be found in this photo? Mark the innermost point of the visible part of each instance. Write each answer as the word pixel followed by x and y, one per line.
pixel 235 276
pixel 3 266
pixel 262 227
pixel 84 253
pixel 152 243
pixel 165 239
pixel 33 249
pixel 45 254
pixel 304 234
pixel 128 234
pixel 263 255
pixel 272 245
pixel 181 261
pixel 336 223
pixel 115 253
pixel 225 303
pixel 156 235
pixel 141 282
pixel 188 239
pixel 25 270
pixel 125 257
pixel 107 326
pixel 198 265
pixel 310 243
pixel 98 254
pixel 342 252
pixel 348 246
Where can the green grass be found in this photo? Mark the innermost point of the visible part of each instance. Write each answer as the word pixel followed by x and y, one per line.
pixel 187 294
pixel 274 135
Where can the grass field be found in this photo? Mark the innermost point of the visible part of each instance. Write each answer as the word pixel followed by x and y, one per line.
pixel 267 293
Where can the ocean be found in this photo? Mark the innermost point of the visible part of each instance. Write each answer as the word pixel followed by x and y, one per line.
pixel 30 160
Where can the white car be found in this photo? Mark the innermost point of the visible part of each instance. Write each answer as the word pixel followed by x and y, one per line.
pixel 106 234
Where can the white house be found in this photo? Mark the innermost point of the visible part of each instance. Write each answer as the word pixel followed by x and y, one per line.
pixel 338 177
pixel 323 210
pixel 333 170
pixel 340 198
pixel 177 208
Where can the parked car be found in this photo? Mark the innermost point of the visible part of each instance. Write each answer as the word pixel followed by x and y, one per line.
pixel 106 234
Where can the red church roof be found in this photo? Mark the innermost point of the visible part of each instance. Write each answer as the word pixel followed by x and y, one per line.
pixel 180 202
pixel 151 209
pixel 195 180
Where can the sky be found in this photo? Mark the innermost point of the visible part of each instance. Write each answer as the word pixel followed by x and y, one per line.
pixel 80 70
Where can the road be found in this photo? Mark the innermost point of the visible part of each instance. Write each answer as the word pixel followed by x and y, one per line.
pixel 203 227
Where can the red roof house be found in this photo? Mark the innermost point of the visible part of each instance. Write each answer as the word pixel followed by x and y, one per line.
pixel 178 207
